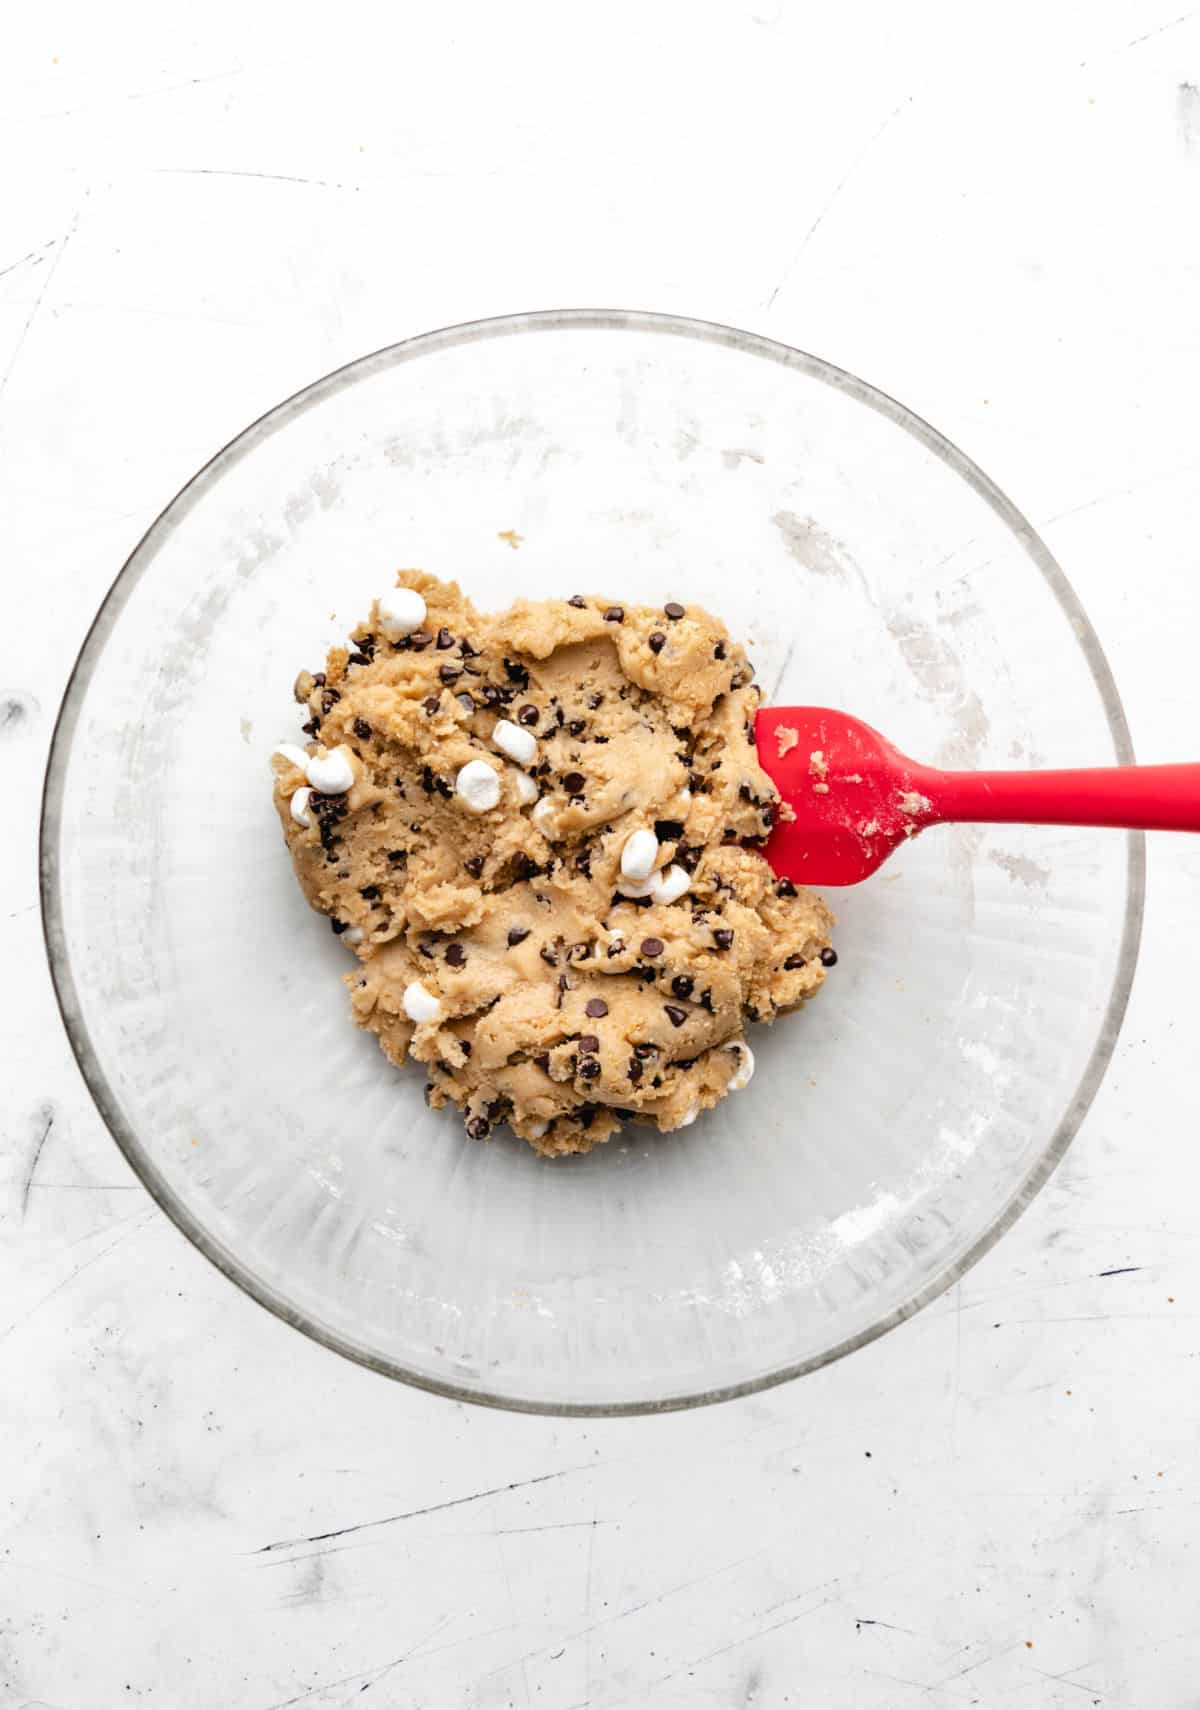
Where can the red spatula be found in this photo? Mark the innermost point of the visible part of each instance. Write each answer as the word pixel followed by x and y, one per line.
pixel 856 798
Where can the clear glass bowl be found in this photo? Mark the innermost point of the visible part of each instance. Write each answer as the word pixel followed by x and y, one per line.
pixel 892 1131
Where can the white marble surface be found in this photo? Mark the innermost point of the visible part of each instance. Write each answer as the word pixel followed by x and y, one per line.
pixel 993 213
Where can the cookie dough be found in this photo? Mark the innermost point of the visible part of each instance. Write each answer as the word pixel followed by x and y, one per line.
pixel 541 834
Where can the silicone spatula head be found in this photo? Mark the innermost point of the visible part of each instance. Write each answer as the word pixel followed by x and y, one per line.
pixel 853 796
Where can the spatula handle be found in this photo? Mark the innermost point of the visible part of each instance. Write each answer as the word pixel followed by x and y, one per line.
pixel 1140 798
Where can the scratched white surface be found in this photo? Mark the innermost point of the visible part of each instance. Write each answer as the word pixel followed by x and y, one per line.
pixel 995 215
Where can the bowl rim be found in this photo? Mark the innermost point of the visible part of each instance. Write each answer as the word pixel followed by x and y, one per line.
pixel 271 422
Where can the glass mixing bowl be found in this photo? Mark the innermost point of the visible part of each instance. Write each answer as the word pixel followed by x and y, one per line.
pixel 893 1129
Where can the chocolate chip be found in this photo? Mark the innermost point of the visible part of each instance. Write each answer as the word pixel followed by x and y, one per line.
pixel 370 893
pixel 362 729
pixel 576 727
pixel 596 1007
pixel 318 679
pixel 527 715
pixel 751 735
pixel 563 988
pixel 768 815
pixel 543 1062
pixel 589 1043
pixel 467 651
pixel 719 650
pixel 456 955
pixel 559 716
pixel 431 703
pixel 668 830
pixel 474 865
pixel 645 1050
pixel 688 856
pixel 586 1114
pixel 829 958
pixel 652 946
pixel 644 973
pixel 682 985
pixel 673 610
pixel 723 938
pixel 464 1046
pixel 328 701
pixel 428 1092
pixel 595 701
pixel 590 1068
pixel 444 640
pixel 573 783
pixel 794 962
pixel 579 952
pixel 449 673
pixel 674 1014
pixel 706 1001
pixel 524 866
pixel 615 614
pixel 397 857
pixel 518 934
pixel 358 659
pixel 311 728
pixel 657 641
pixel 425 950
pixel 419 640
pixel 785 888
pixel 466 703
pixel 516 673
pixel 549 955
pixel 477 1128
pixel 578 601
pixel 635 1071
pixel 339 926
pixel 491 694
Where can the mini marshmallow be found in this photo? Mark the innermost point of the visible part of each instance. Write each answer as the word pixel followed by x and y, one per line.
pixel 330 774
pixel 352 935
pixel 639 887
pixel 639 855
pixel 537 1129
pixel 688 1117
pixel 300 801
pixel 400 612
pixel 420 1005
pixel 742 1075
pixel 527 790
pixel 510 739
pixel 670 885
pixel 293 754
pixel 478 785
pixel 543 817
